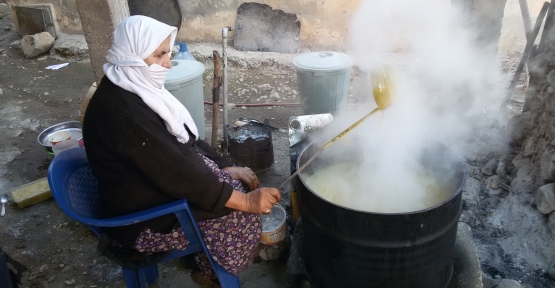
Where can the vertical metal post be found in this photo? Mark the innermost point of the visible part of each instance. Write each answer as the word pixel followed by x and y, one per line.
pixel 225 146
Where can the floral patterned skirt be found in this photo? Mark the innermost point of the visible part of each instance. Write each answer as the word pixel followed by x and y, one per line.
pixel 231 239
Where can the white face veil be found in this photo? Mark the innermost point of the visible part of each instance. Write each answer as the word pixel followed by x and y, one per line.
pixel 135 39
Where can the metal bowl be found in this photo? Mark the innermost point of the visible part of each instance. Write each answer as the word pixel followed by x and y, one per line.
pixel 74 127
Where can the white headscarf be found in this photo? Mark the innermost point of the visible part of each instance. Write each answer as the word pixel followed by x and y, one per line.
pixel 136 38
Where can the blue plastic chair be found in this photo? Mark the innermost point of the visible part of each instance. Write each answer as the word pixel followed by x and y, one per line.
pixel 75 190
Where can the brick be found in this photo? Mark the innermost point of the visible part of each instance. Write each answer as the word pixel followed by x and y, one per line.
pixel 31 193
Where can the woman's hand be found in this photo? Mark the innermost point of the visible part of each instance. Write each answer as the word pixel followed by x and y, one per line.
pixel 244 174
pixel 262 200
pixel 259 201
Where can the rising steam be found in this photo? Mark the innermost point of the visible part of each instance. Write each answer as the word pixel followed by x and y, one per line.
pixel 443 82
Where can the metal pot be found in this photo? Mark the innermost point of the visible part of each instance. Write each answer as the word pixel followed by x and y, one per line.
pixel 343 247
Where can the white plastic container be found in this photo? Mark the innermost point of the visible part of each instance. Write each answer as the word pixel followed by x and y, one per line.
pixel 323 79
pixel 184 81
pixel 64 145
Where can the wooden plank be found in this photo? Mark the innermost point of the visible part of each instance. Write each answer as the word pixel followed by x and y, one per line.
pixel 216 85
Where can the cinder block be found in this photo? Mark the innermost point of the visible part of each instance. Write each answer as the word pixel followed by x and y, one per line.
pixel 31 193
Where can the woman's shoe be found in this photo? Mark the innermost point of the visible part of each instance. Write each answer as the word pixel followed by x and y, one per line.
pixel 203 281
pixel 186 263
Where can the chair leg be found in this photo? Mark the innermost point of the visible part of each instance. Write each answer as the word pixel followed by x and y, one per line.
pixel 131 277
pixel 151 274
pixel 227 280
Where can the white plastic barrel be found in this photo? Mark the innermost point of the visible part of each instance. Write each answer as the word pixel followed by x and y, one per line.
pixel 184 81
pixel 323 79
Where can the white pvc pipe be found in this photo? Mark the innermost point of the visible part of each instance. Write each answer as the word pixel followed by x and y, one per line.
pixel 225 145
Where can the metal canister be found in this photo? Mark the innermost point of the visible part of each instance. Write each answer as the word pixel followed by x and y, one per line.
pixel 251 145
pixel 273 226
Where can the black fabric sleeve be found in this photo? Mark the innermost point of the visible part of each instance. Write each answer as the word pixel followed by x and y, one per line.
pixel 212 154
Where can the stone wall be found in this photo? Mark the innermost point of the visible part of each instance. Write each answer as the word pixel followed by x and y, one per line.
pixel 539 106
pixel 66 11
pixel 537 129
pixel 323 23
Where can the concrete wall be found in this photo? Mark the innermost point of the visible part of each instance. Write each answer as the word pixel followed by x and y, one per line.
pixel 323 23
pixel 66 11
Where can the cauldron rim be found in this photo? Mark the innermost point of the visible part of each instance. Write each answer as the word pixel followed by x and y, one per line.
pixel 459 190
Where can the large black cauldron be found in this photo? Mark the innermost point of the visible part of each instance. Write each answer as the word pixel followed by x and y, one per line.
pixel 342 247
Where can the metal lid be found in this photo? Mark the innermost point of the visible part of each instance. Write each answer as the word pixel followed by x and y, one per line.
pixel 323 61
pixel 183 71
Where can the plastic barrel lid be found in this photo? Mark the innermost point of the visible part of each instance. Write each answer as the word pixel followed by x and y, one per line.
pixel 183 71
pixel 323 61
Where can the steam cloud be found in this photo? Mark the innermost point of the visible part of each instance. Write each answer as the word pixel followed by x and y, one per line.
pixel 443 81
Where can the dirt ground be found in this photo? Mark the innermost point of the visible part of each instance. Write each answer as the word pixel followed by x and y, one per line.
pixel 59 252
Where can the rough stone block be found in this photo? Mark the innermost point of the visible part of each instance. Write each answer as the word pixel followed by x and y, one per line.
pixel 35 45
pixel 466 265
pixel 260 28
pixel 551 223
pixel 509 283
pixel 551 77
pixel 16 45
pixel 70 46
pixel 31 193
pixel 501 169
pixel 276 251
pixel 490 167
pixel 489 282
pixel 545 198
pixel 516 128
pixel 523 185
pixel 493 187
pixel 547 164
pixel 471 191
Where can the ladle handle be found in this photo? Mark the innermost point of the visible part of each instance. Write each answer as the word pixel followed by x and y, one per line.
pixel 327 145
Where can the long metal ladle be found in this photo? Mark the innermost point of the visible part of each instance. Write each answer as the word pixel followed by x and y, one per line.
pixel 381 83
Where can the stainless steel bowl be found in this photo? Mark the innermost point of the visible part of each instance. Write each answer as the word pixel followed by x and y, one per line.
pixel 74 127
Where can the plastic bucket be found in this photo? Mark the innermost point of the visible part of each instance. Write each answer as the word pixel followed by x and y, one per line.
pixel 273 226
pixel 323 80
pixel 184 82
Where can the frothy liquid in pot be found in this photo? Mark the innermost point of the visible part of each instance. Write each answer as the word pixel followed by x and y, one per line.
pixel 344 184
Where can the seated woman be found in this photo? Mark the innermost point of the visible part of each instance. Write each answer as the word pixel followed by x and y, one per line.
pixel 143 147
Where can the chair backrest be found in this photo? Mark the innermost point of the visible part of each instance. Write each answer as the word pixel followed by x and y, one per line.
pixel 73 185
pixel 82 192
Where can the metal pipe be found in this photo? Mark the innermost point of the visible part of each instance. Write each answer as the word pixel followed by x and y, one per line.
pixel 259 104
pixel 225 146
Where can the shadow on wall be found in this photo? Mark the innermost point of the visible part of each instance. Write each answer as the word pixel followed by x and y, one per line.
pixel 166 11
